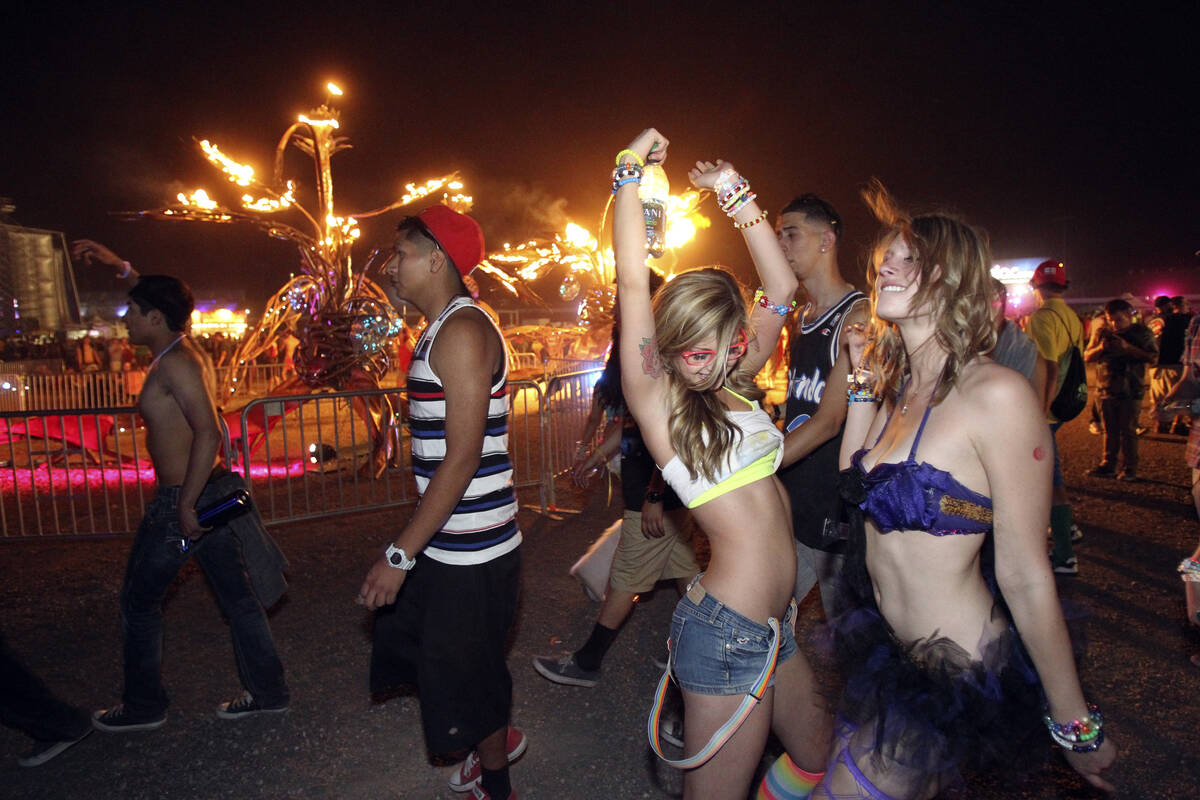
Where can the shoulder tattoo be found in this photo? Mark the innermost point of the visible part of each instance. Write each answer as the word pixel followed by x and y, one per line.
pixel 651 365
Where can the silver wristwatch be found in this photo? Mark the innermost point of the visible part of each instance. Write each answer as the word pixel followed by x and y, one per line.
pixel 396 557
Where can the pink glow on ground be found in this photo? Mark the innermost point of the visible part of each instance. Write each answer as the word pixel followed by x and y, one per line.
pixel 43 478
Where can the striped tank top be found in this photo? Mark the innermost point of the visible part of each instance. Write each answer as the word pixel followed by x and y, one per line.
pixel 483 526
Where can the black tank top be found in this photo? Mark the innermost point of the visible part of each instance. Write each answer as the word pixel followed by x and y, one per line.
pixel 811 482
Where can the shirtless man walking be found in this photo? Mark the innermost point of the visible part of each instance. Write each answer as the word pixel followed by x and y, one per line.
pixel 242 564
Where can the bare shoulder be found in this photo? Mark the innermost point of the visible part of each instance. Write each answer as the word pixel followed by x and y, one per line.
pixel 467 340
pixel 996 391
pixel 184 363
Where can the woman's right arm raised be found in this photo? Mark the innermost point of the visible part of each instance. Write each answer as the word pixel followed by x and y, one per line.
pixel 642 378
pixel 861 413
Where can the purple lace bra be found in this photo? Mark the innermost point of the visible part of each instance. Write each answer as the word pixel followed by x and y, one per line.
pixel 911 496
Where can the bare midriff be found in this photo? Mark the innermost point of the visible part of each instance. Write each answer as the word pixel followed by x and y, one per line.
pixel 752 568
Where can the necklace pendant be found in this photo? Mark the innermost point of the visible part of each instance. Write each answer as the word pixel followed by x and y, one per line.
pixel 904 409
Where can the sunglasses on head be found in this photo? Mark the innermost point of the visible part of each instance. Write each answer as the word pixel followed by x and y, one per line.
pixel 698 358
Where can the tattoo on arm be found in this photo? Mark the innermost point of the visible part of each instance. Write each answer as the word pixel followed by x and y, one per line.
pixel 1039 453
pixel 650 361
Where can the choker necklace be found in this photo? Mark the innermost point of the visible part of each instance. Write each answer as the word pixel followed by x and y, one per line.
pixel 178 339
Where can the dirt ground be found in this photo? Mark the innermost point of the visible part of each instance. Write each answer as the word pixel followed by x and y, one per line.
pixel 58 608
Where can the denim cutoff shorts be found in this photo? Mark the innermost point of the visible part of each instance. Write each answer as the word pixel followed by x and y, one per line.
pixel 715 650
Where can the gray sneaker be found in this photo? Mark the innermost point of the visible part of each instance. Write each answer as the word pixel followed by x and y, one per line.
pixel 564 670
pixel 118 720
pixel 245 706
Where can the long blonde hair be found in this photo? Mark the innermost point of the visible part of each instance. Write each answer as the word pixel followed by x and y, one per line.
pixel 954 261
pixel 702 303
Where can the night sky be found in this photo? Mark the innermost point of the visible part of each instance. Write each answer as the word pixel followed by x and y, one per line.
pixel 1065 131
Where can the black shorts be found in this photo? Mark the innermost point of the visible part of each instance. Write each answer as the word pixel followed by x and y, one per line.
pixel 447 633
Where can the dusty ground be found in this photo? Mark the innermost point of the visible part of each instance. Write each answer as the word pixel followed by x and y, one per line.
pixel 58 606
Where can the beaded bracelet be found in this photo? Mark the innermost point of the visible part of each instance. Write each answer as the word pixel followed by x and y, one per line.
pixel 627 173
pixel 738 203
pixel 761 298
pixel 1079 736
pixel 741 226
pixel 728 198
pixel 860 389
pixel 636 157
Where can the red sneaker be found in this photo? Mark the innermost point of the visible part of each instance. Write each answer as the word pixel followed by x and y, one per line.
pixel 466 777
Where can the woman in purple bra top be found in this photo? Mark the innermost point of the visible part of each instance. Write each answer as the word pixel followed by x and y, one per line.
pixel 949 629
pixel 688 361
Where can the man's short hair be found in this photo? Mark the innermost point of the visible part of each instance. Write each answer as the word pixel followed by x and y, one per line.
pixel 1162 302
pixel 1117 305
pixel 166 294
pixel 817 210
pixel 1177 302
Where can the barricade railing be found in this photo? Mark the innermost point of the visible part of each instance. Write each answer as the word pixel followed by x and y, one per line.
pixel 75 472
pixel 94 390
pixel 72 472
pixel 568 401
pixel 258 379
pixel 317 456
pixel 80 390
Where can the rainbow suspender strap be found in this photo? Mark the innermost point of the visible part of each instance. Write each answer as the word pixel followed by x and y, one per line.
pixel 724 733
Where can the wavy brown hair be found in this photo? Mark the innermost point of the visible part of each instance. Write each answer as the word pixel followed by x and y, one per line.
pixel 698 304
pixel 953 262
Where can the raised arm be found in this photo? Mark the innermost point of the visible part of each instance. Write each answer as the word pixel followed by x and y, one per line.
pixel 90 252
pixel 1017 456
pixel 642 378
pixel 778 281
pixel 862 406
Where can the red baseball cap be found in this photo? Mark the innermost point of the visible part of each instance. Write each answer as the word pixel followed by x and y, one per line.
pixel 1050 273
pixel 459 236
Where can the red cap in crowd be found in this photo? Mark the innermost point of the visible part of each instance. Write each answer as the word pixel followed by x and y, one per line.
pixel 459 236
pixel 1049 273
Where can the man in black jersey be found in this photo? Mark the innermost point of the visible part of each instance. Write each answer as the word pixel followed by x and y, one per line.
pixel 809 230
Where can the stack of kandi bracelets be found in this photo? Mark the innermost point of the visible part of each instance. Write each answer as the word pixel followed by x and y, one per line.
pixel 733 194
pixel 861 389
pixel 1079 736
pixel 629 169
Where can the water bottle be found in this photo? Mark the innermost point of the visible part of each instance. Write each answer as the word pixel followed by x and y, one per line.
pixel 653 191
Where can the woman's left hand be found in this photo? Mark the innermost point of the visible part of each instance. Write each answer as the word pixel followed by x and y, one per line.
pixel 706 173
pixel 650 146
pixel 1090 765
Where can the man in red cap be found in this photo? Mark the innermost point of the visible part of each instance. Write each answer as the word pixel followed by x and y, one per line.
pixel 446 587
pixel 1055 329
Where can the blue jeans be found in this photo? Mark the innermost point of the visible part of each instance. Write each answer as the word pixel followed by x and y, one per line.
pixel 154 562
pixel 715 650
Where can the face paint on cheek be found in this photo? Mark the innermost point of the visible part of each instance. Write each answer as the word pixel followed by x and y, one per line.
pixel 1039 453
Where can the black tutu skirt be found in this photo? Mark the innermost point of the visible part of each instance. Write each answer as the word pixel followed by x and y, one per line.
pixel 927 707
pixel 930 709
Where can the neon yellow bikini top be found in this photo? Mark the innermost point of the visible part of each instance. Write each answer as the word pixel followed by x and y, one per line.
pixel 755 455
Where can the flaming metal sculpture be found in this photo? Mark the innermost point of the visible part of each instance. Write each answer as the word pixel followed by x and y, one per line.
pixel 341 317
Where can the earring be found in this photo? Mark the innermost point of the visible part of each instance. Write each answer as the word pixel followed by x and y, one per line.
pixel 823 249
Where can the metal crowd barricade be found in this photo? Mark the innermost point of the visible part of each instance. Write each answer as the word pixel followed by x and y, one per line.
pixel 71 390
pixel 568 401
pixel 76 472
pixel 72 473
pixel 316 457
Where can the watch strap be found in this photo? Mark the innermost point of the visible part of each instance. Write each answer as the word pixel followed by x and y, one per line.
pixel 397 558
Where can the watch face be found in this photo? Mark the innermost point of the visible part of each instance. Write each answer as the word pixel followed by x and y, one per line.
pixel 396 559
